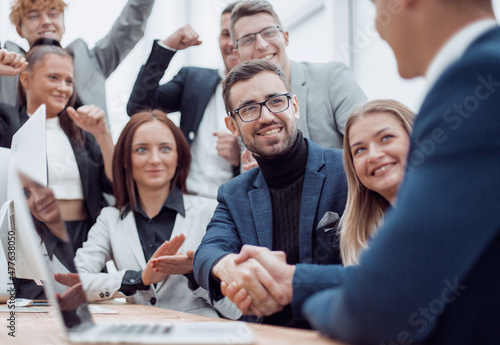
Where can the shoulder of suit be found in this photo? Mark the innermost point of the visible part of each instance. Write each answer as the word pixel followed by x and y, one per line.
pixel 13 47
pixel 199 70
pixel 76 45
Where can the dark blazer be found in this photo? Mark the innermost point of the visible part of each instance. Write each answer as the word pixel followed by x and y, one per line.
pixel 244 215
pixel 88 158
pixel 188 92
pixel 11 120
pixel 432 273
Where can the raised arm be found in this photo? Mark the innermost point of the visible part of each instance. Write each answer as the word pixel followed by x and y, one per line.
pixel 147 91
pixel 127 30
pixel 11 63
pixel 92 119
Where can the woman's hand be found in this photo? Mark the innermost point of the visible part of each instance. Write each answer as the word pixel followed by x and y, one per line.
pixel 150 274
pixel 90 118
pixel 174 264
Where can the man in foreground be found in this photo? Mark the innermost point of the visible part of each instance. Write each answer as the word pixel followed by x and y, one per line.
pixel 431 274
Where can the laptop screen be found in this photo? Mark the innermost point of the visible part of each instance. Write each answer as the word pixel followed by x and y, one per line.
pixel 38 212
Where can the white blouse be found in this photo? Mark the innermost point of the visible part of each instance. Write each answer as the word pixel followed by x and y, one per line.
pixel 64 177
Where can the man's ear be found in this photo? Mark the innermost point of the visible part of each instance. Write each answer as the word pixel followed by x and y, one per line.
pixel 20 31
pixel 287 38
pixel 295 107
pixel 232 125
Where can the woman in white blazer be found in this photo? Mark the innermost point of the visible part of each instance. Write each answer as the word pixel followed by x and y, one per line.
pixel 154 228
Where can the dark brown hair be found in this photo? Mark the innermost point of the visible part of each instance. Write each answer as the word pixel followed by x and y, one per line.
pixel 245 71
pixel 123 183
pixel 249 8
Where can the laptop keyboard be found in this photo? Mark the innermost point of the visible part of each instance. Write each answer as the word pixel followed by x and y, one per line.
pixel 134 329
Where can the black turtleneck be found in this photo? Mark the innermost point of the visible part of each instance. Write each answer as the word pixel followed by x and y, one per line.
pixel 285 178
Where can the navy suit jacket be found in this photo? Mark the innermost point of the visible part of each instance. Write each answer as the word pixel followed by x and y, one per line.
pixel 244 215
pixel 432 272
pixel 188 92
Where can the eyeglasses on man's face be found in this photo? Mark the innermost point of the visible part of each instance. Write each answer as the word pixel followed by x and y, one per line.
pixel 270 33
pixel 251 112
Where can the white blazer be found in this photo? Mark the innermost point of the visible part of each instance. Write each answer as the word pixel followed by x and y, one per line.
pixel 114 239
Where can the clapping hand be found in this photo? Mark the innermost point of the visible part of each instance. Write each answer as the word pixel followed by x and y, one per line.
pixel 153 272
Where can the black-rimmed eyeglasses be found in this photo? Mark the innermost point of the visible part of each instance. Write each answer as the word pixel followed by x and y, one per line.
pixel 269 34
pixel 251 112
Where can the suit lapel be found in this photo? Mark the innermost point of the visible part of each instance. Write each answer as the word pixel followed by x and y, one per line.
pixel 299 88
pixel 311 193
pixel 262 211
pixel 129 229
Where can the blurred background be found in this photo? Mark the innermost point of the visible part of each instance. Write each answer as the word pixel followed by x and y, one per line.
pixel 320 31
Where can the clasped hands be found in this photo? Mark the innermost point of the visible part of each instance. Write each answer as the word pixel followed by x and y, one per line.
pixel 167 260
pixel 258 281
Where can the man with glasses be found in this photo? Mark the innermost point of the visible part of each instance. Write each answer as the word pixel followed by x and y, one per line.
pixel 327 91
pixel 291 202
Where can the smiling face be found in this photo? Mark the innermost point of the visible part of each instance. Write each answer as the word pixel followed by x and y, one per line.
pixel 273 50
pixel 226 43
pixel 49 82
pixel 154 157
pixel 40 21
pixel 272 134
pixel 41 202
pixel 379 146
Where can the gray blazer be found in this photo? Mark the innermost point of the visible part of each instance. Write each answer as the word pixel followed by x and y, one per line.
pixel 94 66
pixel 327 94
pixel 112 238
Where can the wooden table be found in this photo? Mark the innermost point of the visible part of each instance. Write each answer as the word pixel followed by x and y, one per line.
pixel 44 328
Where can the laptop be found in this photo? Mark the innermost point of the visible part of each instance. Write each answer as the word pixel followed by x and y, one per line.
pixel 68 298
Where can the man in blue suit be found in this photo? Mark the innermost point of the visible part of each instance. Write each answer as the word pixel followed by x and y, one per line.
pixel 197 93
pixel 291 202
pixel 431 274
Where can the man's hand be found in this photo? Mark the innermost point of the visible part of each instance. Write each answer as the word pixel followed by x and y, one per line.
pixel 150 273
pixel 11 63
pixel 228 147
pixel 247 160
pixel 267 297
pixel 183 38
pixel 275 264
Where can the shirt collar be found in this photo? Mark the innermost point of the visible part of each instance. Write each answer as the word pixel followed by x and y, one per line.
pixel 222 73
pixel 50 241
pixel 455 47
pixel 173 202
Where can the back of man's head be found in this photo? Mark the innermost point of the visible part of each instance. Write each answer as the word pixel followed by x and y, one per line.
pixel 20 8
pixel 229 7
pixel 249 8
pixel 247 70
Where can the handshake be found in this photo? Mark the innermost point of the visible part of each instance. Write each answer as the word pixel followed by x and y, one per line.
pixel 258 281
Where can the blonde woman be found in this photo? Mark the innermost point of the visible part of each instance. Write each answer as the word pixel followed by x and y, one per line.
pixel 376 144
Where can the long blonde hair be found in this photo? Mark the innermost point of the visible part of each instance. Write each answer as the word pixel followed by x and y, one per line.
pixel 365 208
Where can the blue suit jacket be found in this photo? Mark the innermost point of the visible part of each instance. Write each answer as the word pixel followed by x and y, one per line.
pixel 188 92
pixel 244 215
pixel 432 273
